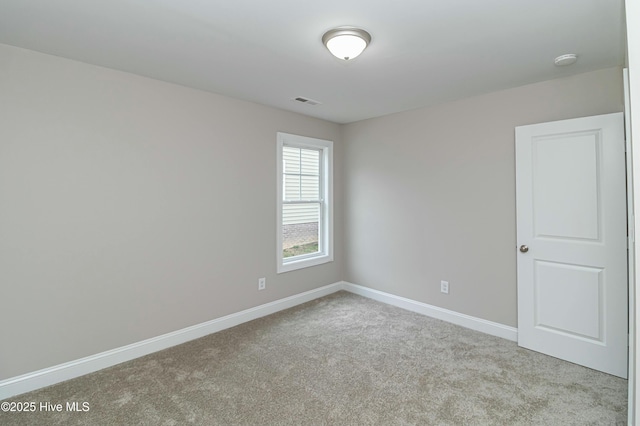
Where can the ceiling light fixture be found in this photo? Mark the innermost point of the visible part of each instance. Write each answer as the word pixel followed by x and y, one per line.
pixel 346 43
pixel 567 59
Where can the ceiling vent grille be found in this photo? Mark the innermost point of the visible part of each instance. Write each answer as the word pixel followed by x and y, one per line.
pixel 307 101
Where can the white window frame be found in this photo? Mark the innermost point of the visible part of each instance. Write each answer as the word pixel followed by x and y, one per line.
pixel 325 244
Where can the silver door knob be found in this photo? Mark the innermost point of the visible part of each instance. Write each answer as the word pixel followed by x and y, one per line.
pixel 524 248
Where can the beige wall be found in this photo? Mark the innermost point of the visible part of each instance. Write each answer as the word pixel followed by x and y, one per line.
pixel 130 208
pixel 118 221
pixel 430 193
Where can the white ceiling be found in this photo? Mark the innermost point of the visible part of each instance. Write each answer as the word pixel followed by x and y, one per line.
pixel 423 52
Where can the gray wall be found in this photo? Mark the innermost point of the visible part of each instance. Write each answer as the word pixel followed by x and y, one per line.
pixel 130 208
pixel 430 193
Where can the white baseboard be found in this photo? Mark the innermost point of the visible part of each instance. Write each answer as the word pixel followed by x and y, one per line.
pixel 69 370
pixel 478 324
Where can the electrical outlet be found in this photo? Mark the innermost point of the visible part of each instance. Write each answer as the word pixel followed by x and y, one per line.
pixel 262 283
pixel 444 287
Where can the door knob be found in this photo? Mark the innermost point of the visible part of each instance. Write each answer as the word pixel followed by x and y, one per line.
pixel 524 248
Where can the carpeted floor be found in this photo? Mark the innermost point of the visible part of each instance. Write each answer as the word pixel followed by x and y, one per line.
pixel 342 359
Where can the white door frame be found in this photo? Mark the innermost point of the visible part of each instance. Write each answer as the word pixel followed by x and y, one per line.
pixel 633 51
pixel 631 246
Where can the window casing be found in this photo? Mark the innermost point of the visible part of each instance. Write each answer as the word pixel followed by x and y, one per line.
pixel 305 202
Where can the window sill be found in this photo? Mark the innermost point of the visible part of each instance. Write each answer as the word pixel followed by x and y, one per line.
pixel 304 263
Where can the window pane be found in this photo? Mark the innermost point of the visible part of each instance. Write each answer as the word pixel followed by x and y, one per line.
pixel 301 174
pixel 310 188
pixel 291 187
pixel 291 159
pixel 300 229
pixel 310 159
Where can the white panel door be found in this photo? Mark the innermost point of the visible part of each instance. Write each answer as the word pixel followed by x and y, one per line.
pixel 572 241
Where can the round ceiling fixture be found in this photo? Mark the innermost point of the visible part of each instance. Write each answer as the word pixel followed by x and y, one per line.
pixel 346 43
pixel 567 59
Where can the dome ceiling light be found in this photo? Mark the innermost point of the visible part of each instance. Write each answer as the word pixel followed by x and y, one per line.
pixel 346 43
pixel 567 59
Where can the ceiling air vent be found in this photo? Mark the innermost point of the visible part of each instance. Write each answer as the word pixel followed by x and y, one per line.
pixel 307 101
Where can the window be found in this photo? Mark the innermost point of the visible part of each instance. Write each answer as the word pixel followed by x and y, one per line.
pixel 305 202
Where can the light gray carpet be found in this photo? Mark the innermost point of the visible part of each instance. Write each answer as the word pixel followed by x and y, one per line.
pixel 342 359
